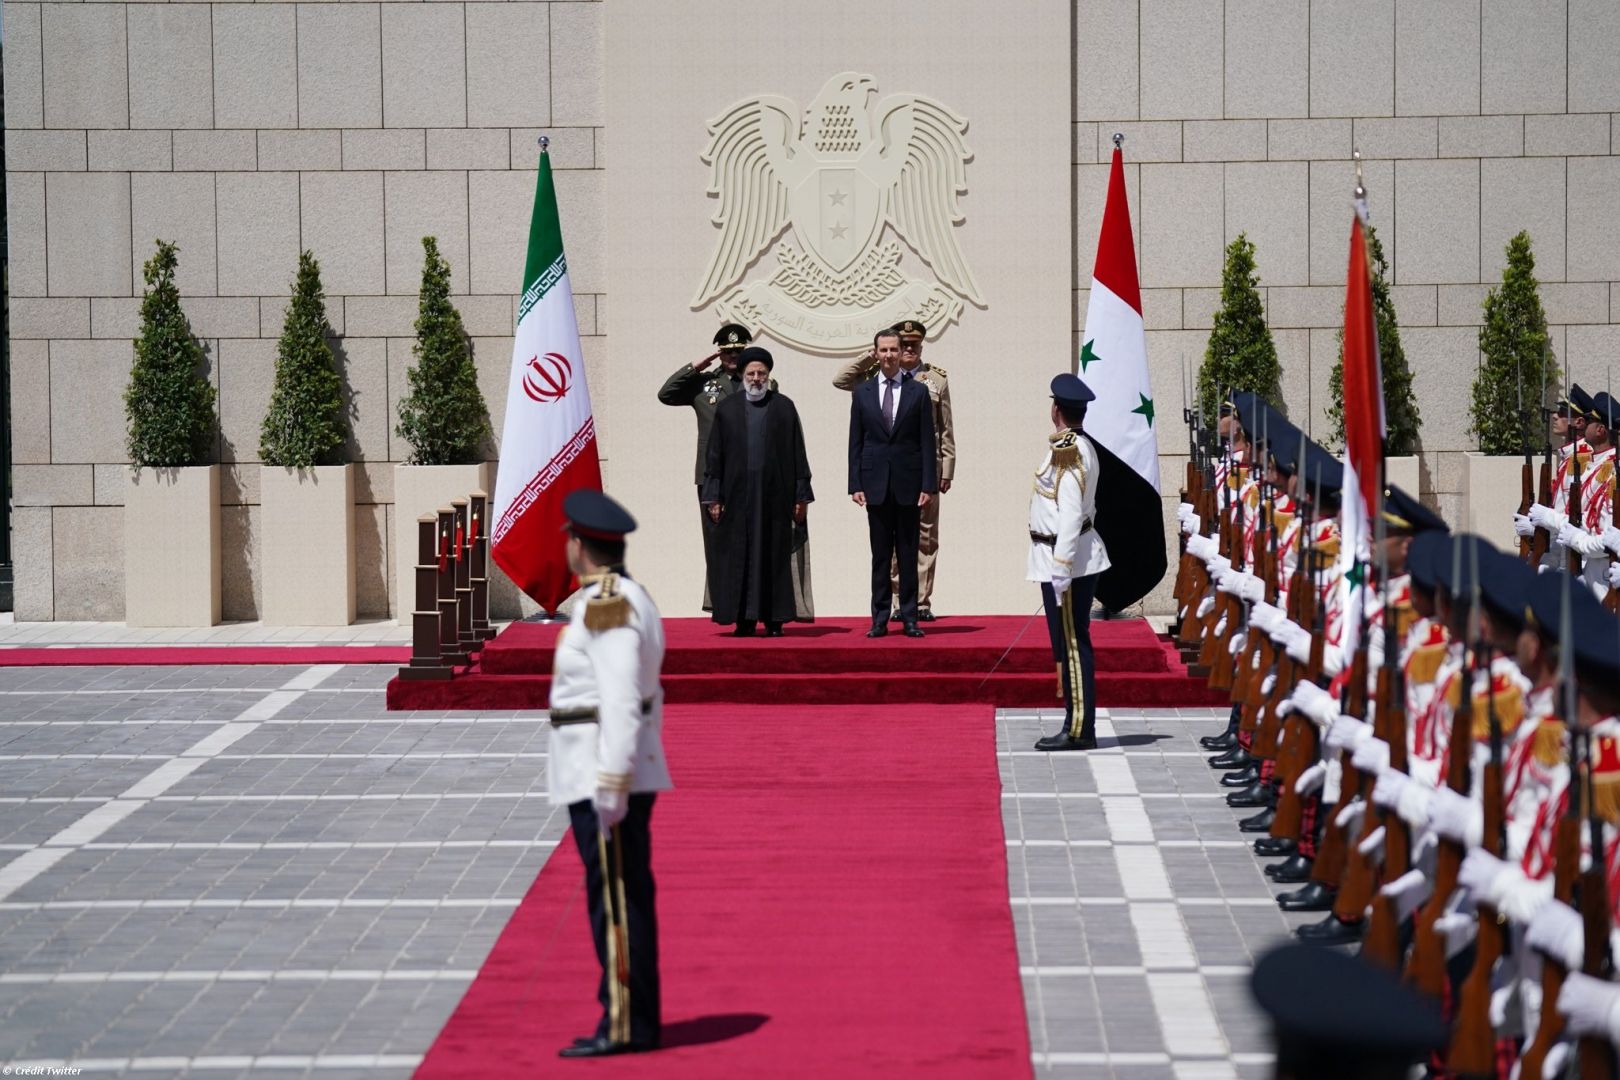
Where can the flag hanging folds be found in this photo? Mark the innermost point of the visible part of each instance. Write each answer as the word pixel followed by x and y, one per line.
pixel 548 440
pixel 1121 421
pixel 1362 495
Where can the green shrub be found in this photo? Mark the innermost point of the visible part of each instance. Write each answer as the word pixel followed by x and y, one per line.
pixel 1241 354
pixel 305 425
pixel 169 402
pixel 1518 365
pixel 1401 416
pixel 443 417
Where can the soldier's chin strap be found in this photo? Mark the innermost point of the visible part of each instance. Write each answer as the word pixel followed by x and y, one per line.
pixel 1016 639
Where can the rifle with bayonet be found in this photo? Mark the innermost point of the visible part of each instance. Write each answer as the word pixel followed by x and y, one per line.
pixel 1594 1053
pixel 1382 944
pixel 1527 492
pixel 1335 847
pixel 1542 540
pixel 1207 625
pixel 1572 506
pixel 1254 550
pixel 1297 740
pixel 1223 671
pixel 1269 720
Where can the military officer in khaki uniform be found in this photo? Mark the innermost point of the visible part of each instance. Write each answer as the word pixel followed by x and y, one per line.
pixel 933 378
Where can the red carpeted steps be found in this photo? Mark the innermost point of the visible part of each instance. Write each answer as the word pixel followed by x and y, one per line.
pixel 996 660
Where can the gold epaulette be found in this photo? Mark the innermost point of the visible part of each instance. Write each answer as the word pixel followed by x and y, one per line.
pixel 1509 705
pixel 1065 450
pixel 609 608
pixel 1548 747
pixel 1405 616
pixel 938 369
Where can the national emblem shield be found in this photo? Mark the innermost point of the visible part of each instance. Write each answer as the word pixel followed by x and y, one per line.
pixel 835 214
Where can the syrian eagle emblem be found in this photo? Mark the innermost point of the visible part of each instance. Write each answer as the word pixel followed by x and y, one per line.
pixel 841 175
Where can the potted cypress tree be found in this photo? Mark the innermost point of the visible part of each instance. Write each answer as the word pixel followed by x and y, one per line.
pixel 171 506
pixel 443 419
pixel 306 490
pixel 1240 354
pixel 1516 370
pixel 1402 420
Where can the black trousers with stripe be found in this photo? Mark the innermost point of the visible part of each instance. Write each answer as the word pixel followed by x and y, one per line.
pixel 635 857
pixel 1069 625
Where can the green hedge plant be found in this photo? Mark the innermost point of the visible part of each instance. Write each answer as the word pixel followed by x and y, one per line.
pixel 1517 364
pixel 1241 354
pixel 306 424
pixel 169 402
pixel 1402 420
pixel 443 417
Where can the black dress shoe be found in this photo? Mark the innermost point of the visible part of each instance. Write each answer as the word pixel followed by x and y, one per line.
pixel 1221 743
pixel 773 629
pixel 1260 822
pixel 1243 777
pixel 744 629
pixel 598 1047
pixel 878 630
pixel 1330 931
pixel 1270 847
pixel 1235 758
pixel 1060 742
pixel 1291 871
pixel 925 616
pixel 913 630
pixel 894 616
pixel 1313 897
pixel 1255 795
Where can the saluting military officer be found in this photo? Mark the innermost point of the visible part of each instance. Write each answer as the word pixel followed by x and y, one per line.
pixel 694 385
pixel 912 334
pixel 1066 555
pixel 607 766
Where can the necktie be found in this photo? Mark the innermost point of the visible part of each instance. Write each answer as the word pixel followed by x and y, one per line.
pixel 888 404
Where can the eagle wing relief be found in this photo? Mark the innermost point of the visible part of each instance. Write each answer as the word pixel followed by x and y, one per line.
pixel 753 147
pixel 924 151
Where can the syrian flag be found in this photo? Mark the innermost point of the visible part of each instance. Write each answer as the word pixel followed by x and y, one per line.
pixel 1363 431
pixel 1120 422
pixel 548 441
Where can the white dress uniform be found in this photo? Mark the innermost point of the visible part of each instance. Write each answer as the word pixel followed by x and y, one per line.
pixel 1061 506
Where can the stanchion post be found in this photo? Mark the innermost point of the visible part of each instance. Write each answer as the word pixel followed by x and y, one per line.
pixel 478 536
pixel 449 635
pixel 463 566
pixel 426 660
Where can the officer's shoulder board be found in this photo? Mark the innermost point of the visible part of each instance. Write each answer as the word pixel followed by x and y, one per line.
pixel 937 370
pixel 1066 451
pixel 609 608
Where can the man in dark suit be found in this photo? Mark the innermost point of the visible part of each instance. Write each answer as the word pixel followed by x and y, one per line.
pixel 893 472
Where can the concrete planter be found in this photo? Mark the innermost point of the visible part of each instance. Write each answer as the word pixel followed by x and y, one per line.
pixel 171 547
pixel 306 547
pixel 1403 472
pixel 1490 497
pixel 418 490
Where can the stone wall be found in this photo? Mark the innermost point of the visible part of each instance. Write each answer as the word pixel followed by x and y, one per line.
pixel 243 131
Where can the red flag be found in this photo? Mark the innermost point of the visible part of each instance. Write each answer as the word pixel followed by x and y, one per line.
pixel 1363 379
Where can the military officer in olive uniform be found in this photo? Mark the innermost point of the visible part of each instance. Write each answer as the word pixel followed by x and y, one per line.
pixel 912 334
pixel 606 764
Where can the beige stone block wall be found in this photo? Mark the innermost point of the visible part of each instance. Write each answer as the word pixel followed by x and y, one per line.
pixel 246 132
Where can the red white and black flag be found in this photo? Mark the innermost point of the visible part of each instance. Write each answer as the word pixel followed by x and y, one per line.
pixel 1362 494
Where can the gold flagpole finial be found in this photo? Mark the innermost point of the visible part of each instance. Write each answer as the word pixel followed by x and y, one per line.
pixel 1119 139
pixel 545 143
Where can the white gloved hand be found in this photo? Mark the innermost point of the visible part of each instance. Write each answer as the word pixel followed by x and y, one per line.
pixel 1457 818
pixel 1238 642
pixel 1413 806
pixel 1579 540
pixel 1592 1006
pixel 1614 574
pixel 1298 645
pixel 1553 1066
pixel 1557 931
pixel 1409 891
pixel 1523 526
pixel 1347 732
pixel 611 806
pixel 1224 579
pixel 1060 585
pixel 1311 779
pixel 1266 616
pixel 1458 929
pixel 1220 626
pixel 1219 563
pixel 1373 846
pixel 1388 787
pixel 1478 871
pixel 1547 517
pixel 1611 539
pixel 1205 606
pixel 1371 756
pixel 1501 997
pixel 1183 511
pixel 1315 702
pixel 1518 898
pixel 1268 684
pixel 1349 814
pixel 1204 547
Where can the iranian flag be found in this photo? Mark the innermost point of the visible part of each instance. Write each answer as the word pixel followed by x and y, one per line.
pixel 1120 422
pixel 548 441
pixel 1363 428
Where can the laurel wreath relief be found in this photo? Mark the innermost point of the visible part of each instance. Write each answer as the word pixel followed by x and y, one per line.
pixel 871 281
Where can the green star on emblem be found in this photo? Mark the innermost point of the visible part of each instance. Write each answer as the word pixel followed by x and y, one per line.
pixel 1146 408
pixel 1087 355
pixel 1357 574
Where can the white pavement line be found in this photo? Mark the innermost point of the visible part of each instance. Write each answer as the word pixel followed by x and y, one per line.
pixel 1109 970
pixel 1127 819
pixel 168 690
pixel 1188 795
pixel 304 845
pixel 29 865
pixel 1185 901
pixel 257 903
pixel 177 1065
pixel 244 975
pixel 311 677
pixel 1092 755
pixel 1079 1058
pixel 1204 1070
pixel 1162 937
pixel 312 721
pixel 411 755
pixel 1186 1016
pixel 1142 873
pixel 366 797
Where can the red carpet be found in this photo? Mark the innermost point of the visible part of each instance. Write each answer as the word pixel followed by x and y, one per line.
pixel 991 660
pixel 186 655
pixel 832 903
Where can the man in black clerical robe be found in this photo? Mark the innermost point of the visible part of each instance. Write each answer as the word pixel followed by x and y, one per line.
pixel 756 487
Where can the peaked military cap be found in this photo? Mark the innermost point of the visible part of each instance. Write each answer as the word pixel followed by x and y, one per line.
pixel 1544 603
pixel 1336 1016
pixel 1070 392
pixel 1604 410
pixel 1422 556
pixel 595 515
pixel 910 328
pixel 1457 561
pixel 1404 513
pixel 1597 642
pixel 1504 586
pixel 754 352
pixel 1581 400
pixel 732 336
pixel 1573 401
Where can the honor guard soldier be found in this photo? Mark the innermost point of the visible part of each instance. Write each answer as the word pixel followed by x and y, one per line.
pixel 703 390
pixel 912 334
pixel 1065 556
pixel 607 765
